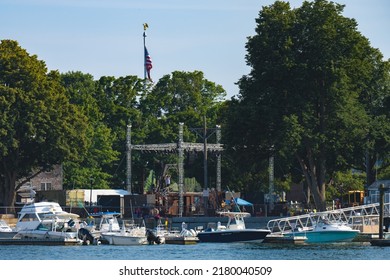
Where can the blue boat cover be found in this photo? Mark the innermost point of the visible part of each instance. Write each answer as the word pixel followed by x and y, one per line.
pixel 240 202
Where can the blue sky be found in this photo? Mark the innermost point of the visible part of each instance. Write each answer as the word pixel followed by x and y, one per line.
pixel 104 37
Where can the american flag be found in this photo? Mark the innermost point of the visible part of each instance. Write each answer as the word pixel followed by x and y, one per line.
pixel 148 63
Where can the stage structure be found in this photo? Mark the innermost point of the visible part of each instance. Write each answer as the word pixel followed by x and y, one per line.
pixel 180 147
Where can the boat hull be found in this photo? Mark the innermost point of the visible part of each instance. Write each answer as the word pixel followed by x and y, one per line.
pixel 124 239
pixel 326 236
pixel 50 235
pixel 224 236
pixel 128 240
pixel 7 234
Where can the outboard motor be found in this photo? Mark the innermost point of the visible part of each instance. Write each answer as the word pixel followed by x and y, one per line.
pixel 71 223
pixel 152 238
pixel 86 237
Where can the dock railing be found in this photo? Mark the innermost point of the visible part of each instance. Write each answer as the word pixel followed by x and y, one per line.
pixel 362 216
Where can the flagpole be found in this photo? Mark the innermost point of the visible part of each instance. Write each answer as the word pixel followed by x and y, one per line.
pixel 144 35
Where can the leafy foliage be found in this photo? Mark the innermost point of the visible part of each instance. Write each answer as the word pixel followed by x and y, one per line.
pixel 100 154
pixel 40 127
pixel 309 73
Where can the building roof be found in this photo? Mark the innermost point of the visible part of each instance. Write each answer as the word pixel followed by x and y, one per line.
pixel 375 186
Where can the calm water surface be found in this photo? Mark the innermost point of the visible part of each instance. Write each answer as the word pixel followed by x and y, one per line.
pixel 201 251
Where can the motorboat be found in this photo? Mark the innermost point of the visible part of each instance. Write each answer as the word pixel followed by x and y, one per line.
pixel 60 227
pixel 325 232
pixel 108 221
pixel 47 220
pixel 134 235
pixel 5 230
pixel 108 225
pixel 234 231
pixel 32 215
pixel 4 227
pixel 110 232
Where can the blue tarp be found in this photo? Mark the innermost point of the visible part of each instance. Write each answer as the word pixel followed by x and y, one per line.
pixel 239 201
pixel 242 202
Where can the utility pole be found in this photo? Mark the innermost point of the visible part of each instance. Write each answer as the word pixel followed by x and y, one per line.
pixel 205 153
pixel 271 189
pixel 181 168
pixel 218 136
pixel 128 158
pixel 202 133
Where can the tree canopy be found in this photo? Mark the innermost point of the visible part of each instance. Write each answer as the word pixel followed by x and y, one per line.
pixel 39 127
pixel 302 100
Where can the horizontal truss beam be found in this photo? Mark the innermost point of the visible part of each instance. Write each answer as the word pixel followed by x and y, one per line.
pixel 173 147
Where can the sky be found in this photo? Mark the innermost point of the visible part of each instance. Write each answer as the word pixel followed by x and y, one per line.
pixel 105 37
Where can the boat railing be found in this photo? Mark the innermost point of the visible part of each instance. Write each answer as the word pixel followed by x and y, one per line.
pixel 353 216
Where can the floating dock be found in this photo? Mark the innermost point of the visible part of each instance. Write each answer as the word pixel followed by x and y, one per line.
pixel 380 242
pixel 38 241
pixel 282 239
pixel 182 240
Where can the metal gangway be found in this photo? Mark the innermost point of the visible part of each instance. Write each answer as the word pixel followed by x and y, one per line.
pixel 358 217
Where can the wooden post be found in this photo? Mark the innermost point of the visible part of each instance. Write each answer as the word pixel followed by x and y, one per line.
pixel 381 209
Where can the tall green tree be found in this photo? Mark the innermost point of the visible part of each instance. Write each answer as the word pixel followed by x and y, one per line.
pixel 375 99
pixel 38 126
pixel 118 101
pixel 301 98
pixel 96 162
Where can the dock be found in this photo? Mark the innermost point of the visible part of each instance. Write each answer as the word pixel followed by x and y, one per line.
pixel 380 242
pixel 182 240
pixel 38 241
pixel 281 239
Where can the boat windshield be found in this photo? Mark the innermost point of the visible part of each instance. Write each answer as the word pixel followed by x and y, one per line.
pixel 29 217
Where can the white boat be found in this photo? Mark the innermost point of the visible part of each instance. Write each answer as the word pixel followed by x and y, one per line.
pixel 325 232
pixel 47 220
pixel 5 230
pixel 58 227
pixel 109 222
pixel 108 225
pixel 127 236
pixel 234 231
pixel 4 227
pixel 32 215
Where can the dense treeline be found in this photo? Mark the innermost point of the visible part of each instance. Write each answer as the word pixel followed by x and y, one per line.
pixel 316 99
pixel 317 96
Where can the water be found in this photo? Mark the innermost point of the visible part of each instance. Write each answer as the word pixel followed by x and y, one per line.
pixel 200 251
